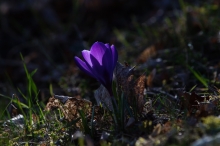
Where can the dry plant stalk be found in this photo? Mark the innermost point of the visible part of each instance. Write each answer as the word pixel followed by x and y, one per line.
pixel 132 89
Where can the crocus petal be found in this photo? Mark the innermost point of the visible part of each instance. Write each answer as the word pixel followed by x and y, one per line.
pixel 114 56
pixel 93 65
pixel 86 56
pixel 107 45
pixel 107 58
pixel 99 71
pixel 106 61
pixel 83 66
pixel 98 50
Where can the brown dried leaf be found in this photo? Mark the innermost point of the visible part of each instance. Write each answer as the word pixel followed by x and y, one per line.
pixel 139 88
pixel 207 108
pixel 170 124
pixel 149 52
pixel 133 90
pixel 157 130
pixel 72 105
pixel 167 127
pixel 124 77
pixel 203 106
pixel 150 78
pixel 70 108
pixel 53 103
pixel 191 100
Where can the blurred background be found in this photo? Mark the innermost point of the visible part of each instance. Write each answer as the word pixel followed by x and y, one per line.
pixel 49 33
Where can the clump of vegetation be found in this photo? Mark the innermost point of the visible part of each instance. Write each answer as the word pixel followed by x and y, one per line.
pixel 167 95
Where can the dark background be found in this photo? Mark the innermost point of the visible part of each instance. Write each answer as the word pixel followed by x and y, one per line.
pixel 49 33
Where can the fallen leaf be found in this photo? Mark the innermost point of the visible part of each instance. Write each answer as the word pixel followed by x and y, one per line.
pixel 199 106
pixel 157 130
pixel 149 52
pixel 70 107
pixel 150 78
pixel 124 77
pixel 191 100
pixel 139 87
pixel 133 90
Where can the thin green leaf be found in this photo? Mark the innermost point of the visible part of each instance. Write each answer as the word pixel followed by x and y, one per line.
pixel 199 77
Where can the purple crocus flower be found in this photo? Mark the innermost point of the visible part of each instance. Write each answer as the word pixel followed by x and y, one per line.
pixel 99 63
